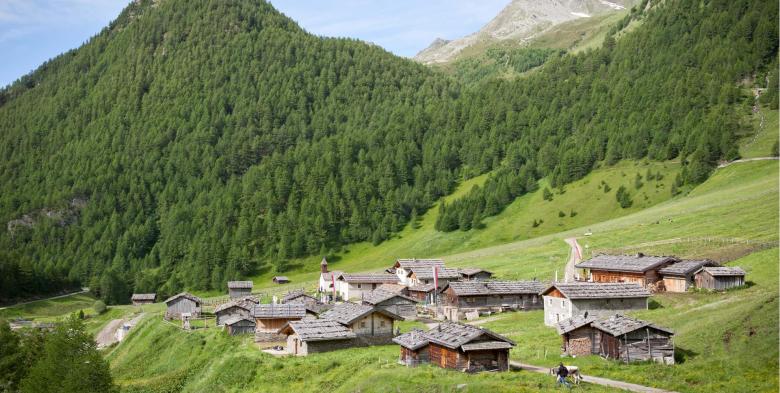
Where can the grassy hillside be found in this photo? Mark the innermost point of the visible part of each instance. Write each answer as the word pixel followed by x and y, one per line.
pixel 767 132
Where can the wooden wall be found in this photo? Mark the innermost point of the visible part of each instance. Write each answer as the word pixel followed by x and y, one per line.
pixel 272 325
pixel 374 324
pixel 606 276
pixel 239 292
pixel 182 305
pixel 675 284
pixel 447 358
pixel 720 283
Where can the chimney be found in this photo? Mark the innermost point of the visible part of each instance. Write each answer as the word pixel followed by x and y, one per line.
pixel 324 265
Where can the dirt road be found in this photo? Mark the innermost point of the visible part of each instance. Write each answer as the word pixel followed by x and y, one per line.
pixel 594 380
pixel 574 258
pixel 107 336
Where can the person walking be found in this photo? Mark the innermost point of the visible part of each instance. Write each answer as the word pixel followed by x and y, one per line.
pixel 562 373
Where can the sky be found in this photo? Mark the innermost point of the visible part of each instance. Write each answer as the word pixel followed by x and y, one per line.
pixel 33 31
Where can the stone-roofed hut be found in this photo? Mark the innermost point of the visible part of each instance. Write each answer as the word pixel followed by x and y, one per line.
pixel 269 318
pixel 423 276
pixel 414 348
pixel 460 297
pixel 468 348
pixel 140 299
pixel 422 293
pixel 395 303
pixel 633 340
pixel 316 335
pixel 678 277
pixel 373 326
pixel 280 280
pixel 720 278
pixel 235 308
pixel 474 274
pixel 355 286
pixel 639 269
pixel 182 303
pixel 237 289
pixel 239 324
pixel 403 268
pixel 394 288
pixel 579 338
pixel 566 300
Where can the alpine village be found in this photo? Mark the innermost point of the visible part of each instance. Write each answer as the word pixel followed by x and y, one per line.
pixel 277 196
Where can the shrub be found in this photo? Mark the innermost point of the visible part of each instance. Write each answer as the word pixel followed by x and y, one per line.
pixel 561 213
pixel 99 307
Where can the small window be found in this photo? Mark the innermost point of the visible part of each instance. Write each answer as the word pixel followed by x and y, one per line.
pixel 563 303
pixel 363 324
pixel 382 323
pixel 358 286
pixel 549 301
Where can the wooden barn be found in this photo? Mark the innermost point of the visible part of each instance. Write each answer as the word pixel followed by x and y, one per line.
pixel 566 300
pixel 403 268
pixel 235 308
pixel 280 280
pixel 579 338
pixel 720 278
pixel 461 297
pixel 679 277
pixel 140 299
pixel 236 325
pixel 299 296
pixel 373 326
pixel 467 348
pixel 269 318
pixel 414 348
pixel 238 289
pixel 639 269
pixel 423 276
pixel 422 293
pixel 474 274
pixel 633 340
pixel 355 286
pixel 183 303
pixel 395 303
pixel 316 335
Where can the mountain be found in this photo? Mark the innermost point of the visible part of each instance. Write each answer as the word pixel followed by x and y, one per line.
pixel 519 22
pixel 207 141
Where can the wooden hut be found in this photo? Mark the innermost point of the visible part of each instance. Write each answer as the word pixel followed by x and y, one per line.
pixel 679 277
pixel 442 275
pixel 236 325
pixel 403 268
pixel 280 280
pixel 461 297
pixel 468 348
pixel 720 278
pixel 579 338
pixel 372 325
pixel 299 296
pixel 316 335
pixel 182 303
pixel 354 286
pixel 395 303
pixel 394 288
pixel 414 348
pixel 566 300
pixel 237 289
pixel 269 318
pixel 474 274
pixel 235 308
pixel 422 293
pixel 639 269
pixel 633 340
pixel 140 299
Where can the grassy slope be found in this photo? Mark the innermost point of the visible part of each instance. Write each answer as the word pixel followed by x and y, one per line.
pixel 760 143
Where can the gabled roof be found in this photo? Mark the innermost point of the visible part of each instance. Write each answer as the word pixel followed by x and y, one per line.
pixel 573 323
pixel 638 263
pixel 724 271
pixel 237 318
pixel 394 288
pixel 426 273
pixel 418 263
pixel 144 296
pixel 599 290
pixel 421 288
pixel 368 278
pixel 299 295
pixel 318 330
pixel 454 335
pixel 470 271
pixel 279 311
pixel 240 284
pixel 184 295
pixel 280 278
pixel 486 288
pixel 618 325
pixel 245 304
pixel 328 276
pixel 684 268
pixel 378 296
pixel 486 345
pixel 413 340
pixel 348 312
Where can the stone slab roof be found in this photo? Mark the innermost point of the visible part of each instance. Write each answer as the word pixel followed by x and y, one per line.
pixel 299 295
pixel 394 288
pixel 319 330
pixel 281 279
pixel 418 263
pixel 413 340
pixel 279 311
pixel 426 273
pixel 244 303
pixel 573 323
pixel 184 295
pixel 378 296
pixel 454 335
pixel 348 312
pixel 144 296
pixel 487 288
pixel 638 263
pixel 472 271
pixel 599 290
pixel 369 278
pixel 421 288
pixel 329 275
pixel 618 325
pixel 486 345
pixel 685 268
pixel 724 271
pixel 240 284
pixel 236 319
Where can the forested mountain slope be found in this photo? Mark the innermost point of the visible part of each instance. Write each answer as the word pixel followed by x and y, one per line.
pixel 209 140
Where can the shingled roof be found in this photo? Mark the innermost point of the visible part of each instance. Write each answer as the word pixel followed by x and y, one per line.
pixel 599 290
pixel 298 295
pixel 472 271
pixel 369 278
pixel 348 312
pixel 413 340
pixel 244 303
pixel 378 296
pixel 618 325
pixel 240 284
pixel 237 318
pixel 421 288
pixel 144 296
pixel 318 330
pixel 328 276
pixel 685 268
pixel 725 271
pixel 279 311
pixel 426 273
pixel 638 263
pixel 573 323
pixel 418 263
pixel 394 288
pixel 184 295
pixel 487 288
pixel 454 335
